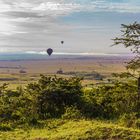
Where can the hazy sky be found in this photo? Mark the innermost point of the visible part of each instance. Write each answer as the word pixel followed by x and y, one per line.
pixel 85 25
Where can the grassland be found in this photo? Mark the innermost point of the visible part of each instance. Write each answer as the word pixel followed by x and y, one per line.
pixel 88 64
pixel 58 129
pixel 9 70
pixel 74 130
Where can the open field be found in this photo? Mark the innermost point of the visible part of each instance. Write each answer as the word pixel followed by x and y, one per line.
pixel 74 130
pixel 10 70
pixel 101 64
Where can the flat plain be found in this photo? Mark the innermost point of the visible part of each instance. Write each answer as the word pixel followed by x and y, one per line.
pixel 22 72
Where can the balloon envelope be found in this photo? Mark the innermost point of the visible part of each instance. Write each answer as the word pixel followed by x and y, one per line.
pixel 49 51
pixel 62 42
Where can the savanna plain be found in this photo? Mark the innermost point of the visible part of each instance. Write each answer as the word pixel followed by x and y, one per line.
pixel 76 98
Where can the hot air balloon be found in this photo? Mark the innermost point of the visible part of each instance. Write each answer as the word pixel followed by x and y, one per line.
pixel 49 51
pixel 62 42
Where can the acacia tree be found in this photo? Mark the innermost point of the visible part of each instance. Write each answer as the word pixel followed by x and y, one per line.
pixel 130 38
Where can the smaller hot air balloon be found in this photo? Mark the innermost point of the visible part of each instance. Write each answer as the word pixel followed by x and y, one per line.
pixel 62 42
pixel 49 51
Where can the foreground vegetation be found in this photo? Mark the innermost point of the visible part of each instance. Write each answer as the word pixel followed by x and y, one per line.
pixel 53 97
pixel 73 130
pixel 59 108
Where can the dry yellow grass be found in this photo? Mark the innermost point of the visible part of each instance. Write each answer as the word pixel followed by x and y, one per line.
pixel 102 65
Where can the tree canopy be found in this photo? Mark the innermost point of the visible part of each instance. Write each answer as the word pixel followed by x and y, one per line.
pixel 130 38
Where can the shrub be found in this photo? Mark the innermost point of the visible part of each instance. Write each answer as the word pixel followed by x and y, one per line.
pixel 71 113
pixel 52 95
pixel 110 101
pixel 5 127
pixel 128 120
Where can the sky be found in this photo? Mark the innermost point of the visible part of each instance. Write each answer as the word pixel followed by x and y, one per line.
pixel 85 26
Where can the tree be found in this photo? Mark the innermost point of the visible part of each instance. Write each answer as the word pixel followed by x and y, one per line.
pixel 130 38
pixel 53 94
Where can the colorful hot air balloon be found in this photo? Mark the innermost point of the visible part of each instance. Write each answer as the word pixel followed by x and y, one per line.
pixel 49 51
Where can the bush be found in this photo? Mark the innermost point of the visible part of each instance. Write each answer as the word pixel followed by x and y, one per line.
pixel 52 95
pixel 110 101
pixel 5 127
pixel 71 113
pixel 130 120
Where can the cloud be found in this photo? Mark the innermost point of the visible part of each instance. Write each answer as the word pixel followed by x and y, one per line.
pixel 70 53
pixel 118 7
pixel 28 16
pixel 57 7
pixel 53 6
pixel 22 14
pixel 127 6
pixel 62 7
pixel 27 24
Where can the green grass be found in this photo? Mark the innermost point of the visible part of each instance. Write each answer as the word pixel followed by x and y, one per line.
pixel 74 130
